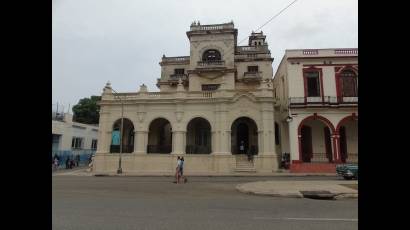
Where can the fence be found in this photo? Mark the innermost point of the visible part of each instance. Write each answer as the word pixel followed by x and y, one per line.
pixel 85 155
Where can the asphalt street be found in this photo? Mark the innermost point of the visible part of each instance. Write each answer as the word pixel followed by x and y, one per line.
pixel 87 202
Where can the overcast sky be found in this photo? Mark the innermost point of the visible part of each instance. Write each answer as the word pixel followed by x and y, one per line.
pixel 122 41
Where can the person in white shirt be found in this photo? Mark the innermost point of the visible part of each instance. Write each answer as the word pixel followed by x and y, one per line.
pixel 177 170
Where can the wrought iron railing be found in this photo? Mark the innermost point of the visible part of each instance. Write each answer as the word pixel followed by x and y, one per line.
pixel 159 148
pixel 320 158
pixel 197 149
pixel 125 148
pixel 322 100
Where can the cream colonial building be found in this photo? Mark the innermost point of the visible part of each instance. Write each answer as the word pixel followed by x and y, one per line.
pixel 210 103
pixel 316 110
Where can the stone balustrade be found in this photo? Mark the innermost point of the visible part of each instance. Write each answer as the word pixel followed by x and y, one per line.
pixel 178 95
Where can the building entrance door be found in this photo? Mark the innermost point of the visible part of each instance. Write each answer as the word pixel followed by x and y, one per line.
pixel 244 136
pixel 306 143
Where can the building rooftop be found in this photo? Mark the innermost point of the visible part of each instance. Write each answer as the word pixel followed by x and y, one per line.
pixel 329 52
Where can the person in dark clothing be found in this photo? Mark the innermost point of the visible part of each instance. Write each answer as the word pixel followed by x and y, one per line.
pixel 72 163
pixel 77 160
pixel 67 163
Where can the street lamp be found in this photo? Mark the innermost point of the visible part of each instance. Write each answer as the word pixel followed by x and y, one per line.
pixel 119 170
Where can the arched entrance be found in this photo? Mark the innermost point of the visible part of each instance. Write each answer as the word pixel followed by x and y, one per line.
pixel 244 131
pixel 127 137
pixel 315 140
pixel 198 137
pixel 348 129
pixel 160 136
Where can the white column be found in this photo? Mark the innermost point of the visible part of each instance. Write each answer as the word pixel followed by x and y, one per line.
pixel 225 142
pixel 267 135
pixel 140 142
pixel 104 134
pixel 178 146
pixel 293 140
pixel 223 134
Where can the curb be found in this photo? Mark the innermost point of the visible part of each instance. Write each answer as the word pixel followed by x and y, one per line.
pixel 346 196
pixel 261 193
pixel 330 196
pixel 242 175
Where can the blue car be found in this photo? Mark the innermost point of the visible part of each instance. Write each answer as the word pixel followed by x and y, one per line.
pixel 348 171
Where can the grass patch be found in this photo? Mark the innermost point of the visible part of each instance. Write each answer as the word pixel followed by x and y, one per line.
pixel 352 186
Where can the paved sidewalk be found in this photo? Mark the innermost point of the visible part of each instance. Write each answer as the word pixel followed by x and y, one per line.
pixel 77 171
pixel 299 189
pixel 86 172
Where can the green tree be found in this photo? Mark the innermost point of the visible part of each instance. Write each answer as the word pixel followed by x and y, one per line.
pixel 87 110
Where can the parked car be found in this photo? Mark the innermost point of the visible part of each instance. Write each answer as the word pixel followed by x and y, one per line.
pixel 348 171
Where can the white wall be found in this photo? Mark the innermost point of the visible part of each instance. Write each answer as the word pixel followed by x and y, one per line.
pixel 67 132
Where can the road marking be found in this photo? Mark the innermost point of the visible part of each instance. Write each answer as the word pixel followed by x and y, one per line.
pixel 306 219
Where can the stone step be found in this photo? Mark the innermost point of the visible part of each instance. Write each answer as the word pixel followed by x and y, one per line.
pixel 245 170
pixel 245 166
pixel 244 163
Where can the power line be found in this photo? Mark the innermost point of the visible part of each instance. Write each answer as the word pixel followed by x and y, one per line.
pixel 260 27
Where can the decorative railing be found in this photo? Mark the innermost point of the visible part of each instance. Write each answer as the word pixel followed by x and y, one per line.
pixel 319 158
pixel 178 76
pixel 125 148
pixel 212 27
pixel 251 56
pixel 252 76
pixel 322 100
pixel 207 94
pixel 349 99
pixel 130 97
pixel 241 49
pixel 310 52
pixel 346 51
pixel 197 149
pixel 159 148
pixel 176 59
pixel 211 63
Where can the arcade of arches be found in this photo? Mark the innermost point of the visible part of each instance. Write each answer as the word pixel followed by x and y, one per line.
pixel 198 136
pixel 321 142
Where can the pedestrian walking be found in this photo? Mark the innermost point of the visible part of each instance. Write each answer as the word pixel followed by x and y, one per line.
pixel 77 160
pixel 55 164
pixel 67 162
pixel 181 169
pixel 177 170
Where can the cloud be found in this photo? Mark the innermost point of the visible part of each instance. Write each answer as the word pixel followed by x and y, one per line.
pixel 122 41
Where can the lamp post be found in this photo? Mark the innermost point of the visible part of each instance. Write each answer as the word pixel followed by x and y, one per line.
pixel 119 170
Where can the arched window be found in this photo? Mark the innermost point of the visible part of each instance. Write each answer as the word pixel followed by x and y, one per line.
pixel 211 55
pixel 348 83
